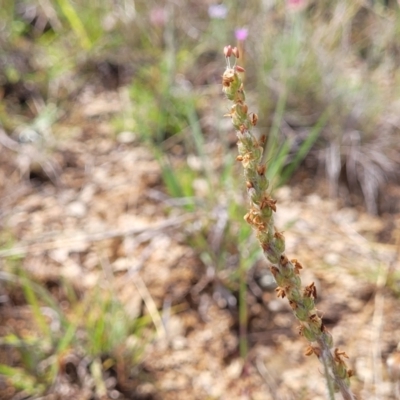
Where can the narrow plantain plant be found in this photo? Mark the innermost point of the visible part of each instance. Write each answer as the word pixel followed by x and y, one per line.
pixel 261 217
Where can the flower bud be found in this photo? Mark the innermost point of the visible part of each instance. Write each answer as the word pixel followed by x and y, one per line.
pixel 254 119
pixel 235 52
pixel 279 242
pixel 242 109
pixel 301 313
pixel 308 334
pixel 239 96
pixel 228 51
pixel 341 370
pixel 231 84
pixel 308 302
pixel 272 256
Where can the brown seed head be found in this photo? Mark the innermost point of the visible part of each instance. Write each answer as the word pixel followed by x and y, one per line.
pixel 293 305
pixel 309 351
pixel 274 270
pixel 297 266
pixel 268 202
pixel 253 119
pixel 284 260
pixel 280 292
pixel 314 318
pixel 312 350
pixel 310 291
pixel 247 218
pixel 261 169
pixel 339 355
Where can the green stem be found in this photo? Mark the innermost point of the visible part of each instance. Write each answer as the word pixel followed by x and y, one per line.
pixel 243 314
pixel 329 383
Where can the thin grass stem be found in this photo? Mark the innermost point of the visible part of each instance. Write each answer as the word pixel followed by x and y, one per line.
pixel 243 312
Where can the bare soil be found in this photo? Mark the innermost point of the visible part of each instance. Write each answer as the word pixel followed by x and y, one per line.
pixel 89 208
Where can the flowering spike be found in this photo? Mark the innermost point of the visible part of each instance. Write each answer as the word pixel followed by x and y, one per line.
pixel 260 216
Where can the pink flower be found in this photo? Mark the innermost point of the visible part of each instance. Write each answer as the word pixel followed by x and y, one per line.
pixel 296 5
pixel 158 16
pixel 241 34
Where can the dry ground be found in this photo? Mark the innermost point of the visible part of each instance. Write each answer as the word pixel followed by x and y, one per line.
pixel 91 211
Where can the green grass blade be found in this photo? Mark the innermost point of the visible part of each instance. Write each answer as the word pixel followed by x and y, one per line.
pixel 170 180
pixel 277 162
pixel 76 23
pixel 21 380
pixel 33 301
pixel 305 147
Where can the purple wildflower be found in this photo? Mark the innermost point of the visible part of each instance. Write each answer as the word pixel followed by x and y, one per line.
pixel 241 34
pixel 217 11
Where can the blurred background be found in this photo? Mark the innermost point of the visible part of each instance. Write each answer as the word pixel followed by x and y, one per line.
pixel 127 271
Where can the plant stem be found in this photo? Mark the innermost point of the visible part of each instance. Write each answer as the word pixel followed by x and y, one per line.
pixel 261 217
pixel 243 314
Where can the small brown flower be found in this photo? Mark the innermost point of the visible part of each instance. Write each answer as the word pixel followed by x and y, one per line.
pixel 312 350
pixel 339 355
pixel 297 266
pixel 268 202
pixel 314 318
pixel 293 305
pixel 284 260
pixel 310 291
pixel 254 119
pixel 274 270
pixel 280 292
pixel 242 129
pixel 261 169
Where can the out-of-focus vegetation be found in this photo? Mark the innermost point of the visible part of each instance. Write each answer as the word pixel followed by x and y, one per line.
pixel 326 75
